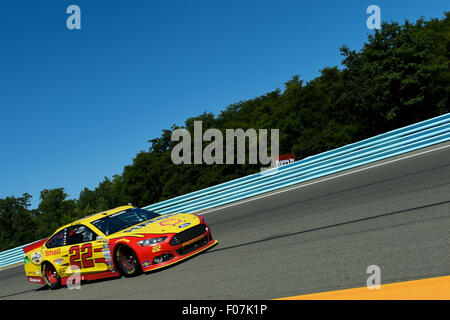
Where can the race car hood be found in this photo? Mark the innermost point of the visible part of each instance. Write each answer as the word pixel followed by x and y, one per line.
pixel 167 223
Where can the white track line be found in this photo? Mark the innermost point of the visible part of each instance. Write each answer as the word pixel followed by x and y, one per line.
pixel 318 181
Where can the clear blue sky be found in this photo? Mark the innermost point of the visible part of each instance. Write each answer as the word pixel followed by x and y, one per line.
pixel 77 106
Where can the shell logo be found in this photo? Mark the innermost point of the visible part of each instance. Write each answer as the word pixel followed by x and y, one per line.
pixel 170 222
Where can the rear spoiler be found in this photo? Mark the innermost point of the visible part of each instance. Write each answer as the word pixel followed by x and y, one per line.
pixel 34 245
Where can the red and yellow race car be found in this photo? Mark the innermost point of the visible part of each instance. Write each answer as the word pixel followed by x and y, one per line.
pixel 122 241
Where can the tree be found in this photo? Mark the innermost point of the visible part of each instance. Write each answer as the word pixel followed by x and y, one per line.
pixel 54 211
pixel 400 76
pixel 16 222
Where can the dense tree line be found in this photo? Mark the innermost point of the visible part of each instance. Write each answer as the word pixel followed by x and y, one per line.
pixel 400 76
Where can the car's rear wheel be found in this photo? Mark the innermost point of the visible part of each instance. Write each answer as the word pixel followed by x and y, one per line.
pixel 127 261
pixel 51 276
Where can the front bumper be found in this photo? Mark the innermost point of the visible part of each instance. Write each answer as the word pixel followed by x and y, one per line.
pixel 177 257
pixel 176 247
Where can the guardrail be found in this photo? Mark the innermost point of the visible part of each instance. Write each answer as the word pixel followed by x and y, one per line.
pixel 386 145
pixel 12 256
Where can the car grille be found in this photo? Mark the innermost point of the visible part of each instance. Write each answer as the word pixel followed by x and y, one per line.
pixel 193 246
pixel 188 234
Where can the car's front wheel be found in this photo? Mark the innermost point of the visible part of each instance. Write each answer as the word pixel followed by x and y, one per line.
pixel 51 277
pixel 127 261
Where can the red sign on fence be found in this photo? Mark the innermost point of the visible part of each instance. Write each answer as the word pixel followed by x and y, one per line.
pixel 283 159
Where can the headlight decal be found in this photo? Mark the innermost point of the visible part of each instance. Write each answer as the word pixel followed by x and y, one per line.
pixel 151 241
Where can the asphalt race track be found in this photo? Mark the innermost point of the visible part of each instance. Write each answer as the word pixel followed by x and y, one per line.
pixel 314 238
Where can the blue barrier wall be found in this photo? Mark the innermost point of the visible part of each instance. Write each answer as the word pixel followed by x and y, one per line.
pixel 12 256
pixel 390 144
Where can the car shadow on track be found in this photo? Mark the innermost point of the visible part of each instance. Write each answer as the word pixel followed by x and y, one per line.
pixel 47 288
pixel 26 291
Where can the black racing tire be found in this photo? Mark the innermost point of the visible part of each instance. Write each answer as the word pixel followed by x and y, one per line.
pixel 127 261
pixel 51 276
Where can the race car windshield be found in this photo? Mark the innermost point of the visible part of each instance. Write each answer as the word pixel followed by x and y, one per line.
pixel 122 220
